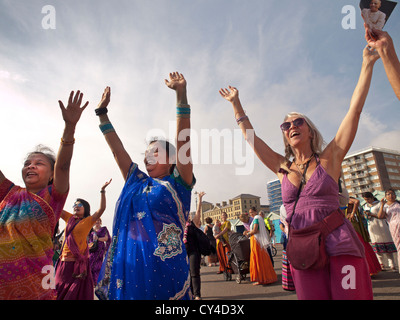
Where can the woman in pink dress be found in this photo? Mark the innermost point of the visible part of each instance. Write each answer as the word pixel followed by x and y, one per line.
pixel 390 209
pixel 347 275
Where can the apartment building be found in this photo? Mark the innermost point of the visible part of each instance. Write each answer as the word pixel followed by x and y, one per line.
pixel 371 169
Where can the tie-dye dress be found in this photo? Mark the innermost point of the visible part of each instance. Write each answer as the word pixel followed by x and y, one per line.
pixel 27 223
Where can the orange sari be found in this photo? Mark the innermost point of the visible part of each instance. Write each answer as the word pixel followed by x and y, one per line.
pixel 261 269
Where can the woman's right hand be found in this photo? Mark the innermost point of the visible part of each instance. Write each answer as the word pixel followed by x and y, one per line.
pixel 72 113
pixel 106 185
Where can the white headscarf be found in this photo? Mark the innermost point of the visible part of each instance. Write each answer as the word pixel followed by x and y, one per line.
pixel 262 236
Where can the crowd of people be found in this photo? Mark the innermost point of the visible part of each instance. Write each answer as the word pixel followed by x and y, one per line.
pixel 150 255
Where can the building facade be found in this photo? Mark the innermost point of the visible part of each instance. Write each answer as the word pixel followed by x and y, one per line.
pixel 371 169
pixel 274 195
pixel 233 207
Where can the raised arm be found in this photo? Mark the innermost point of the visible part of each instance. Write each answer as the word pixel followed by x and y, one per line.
pixel 381 213
pixel 102 208
pixel 383 43
pixel 71 115
pixel 184 163
pixel 197 217
pixel 270 158
pixel 121 156
pixel 337 149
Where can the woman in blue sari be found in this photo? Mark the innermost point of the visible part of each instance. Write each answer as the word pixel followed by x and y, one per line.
pixel 147 258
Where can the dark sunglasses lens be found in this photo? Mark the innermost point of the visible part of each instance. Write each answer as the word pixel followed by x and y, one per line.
pixel 285 126
pixel 298 122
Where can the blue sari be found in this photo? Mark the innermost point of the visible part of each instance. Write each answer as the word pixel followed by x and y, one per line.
pixel 147 259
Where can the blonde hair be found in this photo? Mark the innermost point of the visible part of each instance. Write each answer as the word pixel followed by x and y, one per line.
pixel 317 141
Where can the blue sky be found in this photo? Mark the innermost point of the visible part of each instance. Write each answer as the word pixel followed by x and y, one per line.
pixel 282 56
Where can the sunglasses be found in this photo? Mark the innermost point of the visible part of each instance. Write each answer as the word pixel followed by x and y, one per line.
pixel 297 123
pixel 79 205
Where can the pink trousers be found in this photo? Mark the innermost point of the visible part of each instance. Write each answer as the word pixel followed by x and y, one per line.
pixel 344 278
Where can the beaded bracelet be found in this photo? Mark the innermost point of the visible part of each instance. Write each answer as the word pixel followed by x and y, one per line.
pixel 67 143
pixel 183 110
pixel 241 119
pixel 106 127
pixel 100 111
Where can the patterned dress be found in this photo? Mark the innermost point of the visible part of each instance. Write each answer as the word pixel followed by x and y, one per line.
pixel 381 239
pixel 393 218
pixel 96 257
pixel 147 258
pixel 27 223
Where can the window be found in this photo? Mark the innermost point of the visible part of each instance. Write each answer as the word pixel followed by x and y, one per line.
pixel 390 163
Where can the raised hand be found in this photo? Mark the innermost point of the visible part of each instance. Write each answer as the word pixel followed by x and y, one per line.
pixel 231 94
pixel 377 39
pixel 176 81
pixel 105 185
pixel 72 113
pixel 370 55
pixel 105 99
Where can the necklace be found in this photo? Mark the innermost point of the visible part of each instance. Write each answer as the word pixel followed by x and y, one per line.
pixel 302 165
pixel 302 168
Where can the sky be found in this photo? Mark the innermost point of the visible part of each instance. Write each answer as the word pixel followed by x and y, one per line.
pixel 282 56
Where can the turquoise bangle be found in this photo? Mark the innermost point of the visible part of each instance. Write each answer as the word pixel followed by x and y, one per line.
pixel 183 110
pixel 106 127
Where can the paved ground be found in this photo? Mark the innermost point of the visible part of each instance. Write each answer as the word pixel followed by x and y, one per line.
pixel 386 286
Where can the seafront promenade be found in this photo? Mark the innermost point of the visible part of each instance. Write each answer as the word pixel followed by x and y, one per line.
pixel 386 285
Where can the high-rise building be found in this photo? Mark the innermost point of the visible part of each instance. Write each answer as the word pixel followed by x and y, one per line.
pixel 274 195
pixel 371 169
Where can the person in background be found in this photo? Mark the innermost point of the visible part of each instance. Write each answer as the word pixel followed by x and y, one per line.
pixel 29 214
pixel 208 230
pixel 99 242
pixel 192 249
pixel 246 220
pixel 261 268
pixel 287 279
pixel 73 275
pixel 381 239
pixel 390 210
pixel 357 220
pixel 223 246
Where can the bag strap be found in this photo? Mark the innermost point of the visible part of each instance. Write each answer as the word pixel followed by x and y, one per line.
pixel 334 220
pixel 300 187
